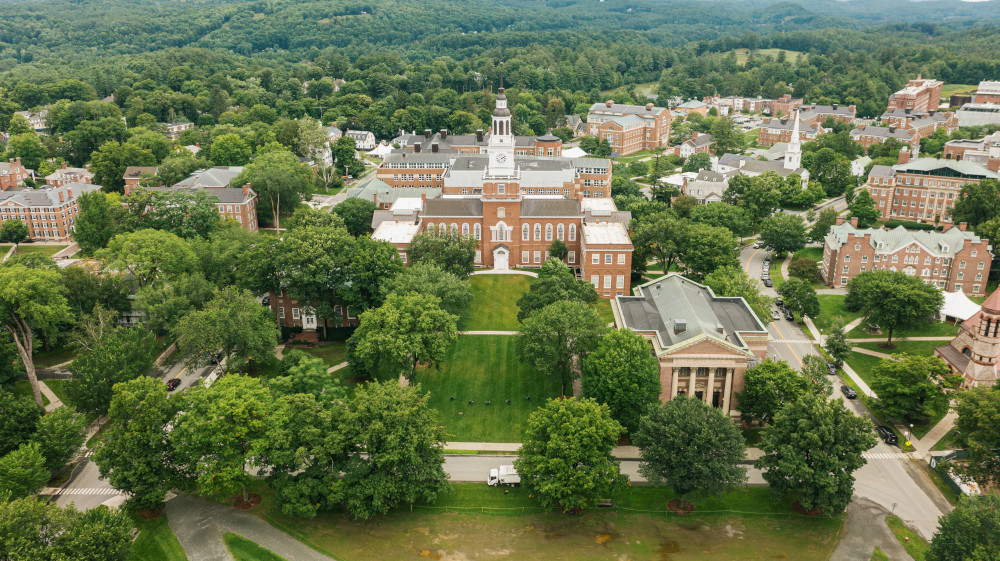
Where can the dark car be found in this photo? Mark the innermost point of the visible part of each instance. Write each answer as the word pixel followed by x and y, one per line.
pixel 831 369
pixel 173 383
pixel 848 392
pixel 768 283
pixel 886 434
pixel 780 302
pixel 788 314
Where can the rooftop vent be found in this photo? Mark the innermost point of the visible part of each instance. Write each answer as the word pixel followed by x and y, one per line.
pixel 719 328
pixel 680 326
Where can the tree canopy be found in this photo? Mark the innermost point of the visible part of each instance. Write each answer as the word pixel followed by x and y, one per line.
pixel 892 300
pixel 622 373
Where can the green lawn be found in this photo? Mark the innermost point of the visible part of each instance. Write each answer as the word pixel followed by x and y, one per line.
pixel 485 368
pixel 863 365
pixel 926 329
pixel 478 522
pixel 832 306
pixel 603 307
pixel 243 549
pixel 23 388
pixel 915 545
pixel 640 88
pixel 156 542
pixel 632 157
pixel 58 355
pixel 949 89
pixel 877 555
pixel 947 442
pixel 332 353
pixel 920 348
pixel 37 249
pixel 741 54
pixel 494 302
pixel 57 388
pixel 775 271
pixel 814 253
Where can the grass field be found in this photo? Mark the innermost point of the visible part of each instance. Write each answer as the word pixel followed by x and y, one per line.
pixel 156 542
pixel 919 348
pixel 32 249
pixel 863 365
pixel 57 388
pixel 23 388
pixel 947 442
pixel 243 549
pixel 603 307
pixel 927 329
pixel 814 253
pixel 915 545
pixel 480 522
pixel 58 355
pixel 640 88
pixel 832 306
pixel 485 368
pixel 332 353
pixel 494 302
pixel 949 89
pixel 741 54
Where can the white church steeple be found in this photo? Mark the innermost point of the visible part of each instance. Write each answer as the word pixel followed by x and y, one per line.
pixel 793 154
pixel 501 144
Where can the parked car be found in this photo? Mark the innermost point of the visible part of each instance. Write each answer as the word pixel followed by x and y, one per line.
pixel 505 475
pixel 788 314
pixel 775 316
pixel 768 283
pixel 831 369
pixel 848 391
pixel 887 435
pixel 780 302
pixel 173 383
pixel 756 245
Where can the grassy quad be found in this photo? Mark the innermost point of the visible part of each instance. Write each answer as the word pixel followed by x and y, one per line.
pixel 485 368
pixel 928 329
pixel 476 521
pixel 494 302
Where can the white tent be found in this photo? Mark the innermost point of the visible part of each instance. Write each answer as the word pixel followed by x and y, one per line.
pixel 957 307
pixel 381 150
pixel 573 152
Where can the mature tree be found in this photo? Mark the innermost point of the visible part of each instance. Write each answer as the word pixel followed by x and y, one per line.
pixel 186 213
pixel 565 459
pixel 553 336
pixel 345 154
pixel 280 180
pixel 622 373
pixel 865 209
pixel 22 472
pixel 173 169
pixel 29 526
pixel 724 215
pixel 162 305
pixel 232 323
pixel 98 221
pixel 31 301
pixel 727 136
pixel 977 203
pixel 658 236
pixel 813 449
pixel 309 216
pixel 407 330
pixel 768 387
pixel 18 420
pixel 623 186
pixel 683 205
pixel 783 232
pixel 150 257
pixel 372 263
pixel 98 534
pixel 908 388
pixel 759 196
pixel 803 268
pixel 452 252
pixel 990 229
pixel 14 231
pixel 558 250
pixel 697 162
pixel 830 169
pixel 706 248
pixel 692 447
pixel 403 440
pixel 304 451
pixel 134 454
pixel 213 438
pixel 151 141
pixel 230 150
pixel 555 283
pixel 305 374
pixel 970 532
pixel 826 219
pixel 732 280
pixel 357 215
pixel 60 435
pixel 428 278
pixel 110 160
pixel 836 342
pixel 800 297
pixel 126 353
pixel 978 418
pixel 28 148
pixel 892 300
pixel 816 375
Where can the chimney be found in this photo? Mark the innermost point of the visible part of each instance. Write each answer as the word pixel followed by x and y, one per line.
pixel 609 103
pixel 423 198
pixel 840 220
pixel 197 145
pixel 962 226
pixel 416 147
pixel 904 156
pixel 246 189
pixel 945 228
pixel 62 198
pixel 835 106
pixel 64 165
pixel 892 128
pixel 680 326
pixel 444 134
pixel 479 135
pixel 434 147
pixel 649 107
pixel 69 193
pixel 854 221
pixel 427 133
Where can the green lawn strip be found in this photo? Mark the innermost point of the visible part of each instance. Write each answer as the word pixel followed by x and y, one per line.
pixel 49 250
pixel 938 481
pixel 877 555
pixel 947 442
pixel 603 307
pixel 156 542
pixel 57 388
pixel 475 518
pixel 243 549
pixel 949 89
pixel 58 355
pixel 915 545
pixel 481 368
pixel 925 329
pixel 494 302
pixel 332 353
pixel 775 271
pixel 23 388
pixel 920 348
pixel 832 306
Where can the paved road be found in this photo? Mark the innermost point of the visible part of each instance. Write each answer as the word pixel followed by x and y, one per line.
pixel 188 375
pixel 86 489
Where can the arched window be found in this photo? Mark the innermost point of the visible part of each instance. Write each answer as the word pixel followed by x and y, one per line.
pixel 538 232
pixel 454 229
pixel 465 229
pixel 478 230
pixel 548 232
pixel 525 233
pixel 560 232
pixel 572 232
pixel 430 229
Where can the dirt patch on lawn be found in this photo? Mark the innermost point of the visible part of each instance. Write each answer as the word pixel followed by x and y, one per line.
pixel 678 506
pixel 252 500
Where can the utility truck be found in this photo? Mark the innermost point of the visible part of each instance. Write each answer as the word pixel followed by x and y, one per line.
pixel 505 475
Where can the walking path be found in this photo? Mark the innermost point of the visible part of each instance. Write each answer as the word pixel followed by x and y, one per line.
pixel 487 332
pixel 784 266
pixel 199 525
pixel 922 446
pixel 337 367
pixel 54 402
pixel 65 253
pixel 9 253
pixel 619 452
pixel 859 350
pixel 505 272
pixel 864 529
pixel 882 339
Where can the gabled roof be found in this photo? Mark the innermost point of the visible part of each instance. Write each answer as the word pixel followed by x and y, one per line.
pixel 453 207
pixel 542 207
pixel 212 178
pixel 46 197
pixel 934 166
pixel 627 109
pixel 941 244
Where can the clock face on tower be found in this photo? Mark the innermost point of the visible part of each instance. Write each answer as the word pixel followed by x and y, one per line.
pixel 500 158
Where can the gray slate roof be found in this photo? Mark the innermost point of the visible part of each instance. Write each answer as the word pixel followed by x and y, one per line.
pixel 628 109
pixel 899 237
pixel 880 171
pixel 374 187
pixel 933 166
pixel 46 197
pixel 536 208
pixel 217 177
pixel 226 195
pixel 437 208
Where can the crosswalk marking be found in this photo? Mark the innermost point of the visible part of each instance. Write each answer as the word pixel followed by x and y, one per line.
pixel 884 456
pixel 794 341
pixel 91 491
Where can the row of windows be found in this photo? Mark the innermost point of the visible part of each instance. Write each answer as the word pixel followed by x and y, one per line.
pixel 442 229
pixel 608 258
pixel 559 232
pixel 526 257
pixel 907 259
pixel 619 281
pixel 297 313
pixel 415 165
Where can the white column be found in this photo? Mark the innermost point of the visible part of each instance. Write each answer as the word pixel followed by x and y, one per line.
pixel 710 389
pixel 727 389
pixel 690 393
pixel 673 383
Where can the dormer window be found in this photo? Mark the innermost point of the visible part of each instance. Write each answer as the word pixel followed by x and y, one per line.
pixel 944 248
pixel 879 245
